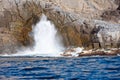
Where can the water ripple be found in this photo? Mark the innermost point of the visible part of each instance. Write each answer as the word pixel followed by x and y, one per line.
pixel 38 68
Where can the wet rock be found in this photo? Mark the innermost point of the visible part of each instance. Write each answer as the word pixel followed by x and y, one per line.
pixel 110 52
pixel 72 51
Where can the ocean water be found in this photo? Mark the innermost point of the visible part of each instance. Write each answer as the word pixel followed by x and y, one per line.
pixel 60 68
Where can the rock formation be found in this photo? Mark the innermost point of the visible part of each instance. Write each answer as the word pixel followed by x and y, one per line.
pixel 87 23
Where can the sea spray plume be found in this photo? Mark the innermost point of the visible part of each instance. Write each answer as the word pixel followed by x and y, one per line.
pixel 46 38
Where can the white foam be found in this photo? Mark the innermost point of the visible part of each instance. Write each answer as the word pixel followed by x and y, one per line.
pixel 74 52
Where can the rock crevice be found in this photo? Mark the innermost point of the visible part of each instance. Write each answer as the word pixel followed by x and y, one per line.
pixel 83 23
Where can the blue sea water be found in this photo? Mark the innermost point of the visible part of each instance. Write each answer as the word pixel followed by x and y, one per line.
pixel 45 68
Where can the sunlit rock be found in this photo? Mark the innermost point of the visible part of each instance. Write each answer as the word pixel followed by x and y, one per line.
pixel 80 23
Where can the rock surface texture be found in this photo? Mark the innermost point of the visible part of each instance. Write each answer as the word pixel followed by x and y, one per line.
pixel 86 23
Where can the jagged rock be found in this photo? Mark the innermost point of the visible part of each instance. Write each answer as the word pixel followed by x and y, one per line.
pixel 112 15
pixel 78 21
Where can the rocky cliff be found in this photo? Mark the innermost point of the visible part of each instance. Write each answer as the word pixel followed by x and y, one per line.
pixel 87 23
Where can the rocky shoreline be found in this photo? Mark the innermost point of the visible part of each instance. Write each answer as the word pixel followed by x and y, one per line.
pixel 101 53
pixel 73 52
pixel 88 23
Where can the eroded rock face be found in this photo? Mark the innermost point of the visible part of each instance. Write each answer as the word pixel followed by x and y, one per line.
pixel 80 22
pixel 86 8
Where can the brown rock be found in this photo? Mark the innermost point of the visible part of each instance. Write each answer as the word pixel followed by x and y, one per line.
pixel 74 19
